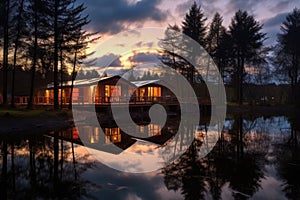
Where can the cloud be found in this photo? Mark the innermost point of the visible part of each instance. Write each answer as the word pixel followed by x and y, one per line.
pixel 142 44
pixel 208 6
pixel 111 17
pixel 275 21
pixel 144 58
pixel 119 185
pixel 272 27
pixel 183 8
pixel 108 60
pixel 250 6
pixel 283 5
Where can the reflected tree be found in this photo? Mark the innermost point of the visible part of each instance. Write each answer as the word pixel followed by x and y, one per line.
pixel 229 162
pixel 289 163
pixel 35 167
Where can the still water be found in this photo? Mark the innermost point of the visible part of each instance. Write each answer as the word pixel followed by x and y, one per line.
pixel 254 158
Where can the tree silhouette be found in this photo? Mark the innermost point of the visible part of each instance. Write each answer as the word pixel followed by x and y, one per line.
pixel 287 52
pixel 37 24
pixel 20 30
pixel 5 7
pixel 216 32
pixel 194 24
pixel 247 42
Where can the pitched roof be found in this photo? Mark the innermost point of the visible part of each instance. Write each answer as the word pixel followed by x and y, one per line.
pixel 94 81
pixel 82 82
pixel 144 82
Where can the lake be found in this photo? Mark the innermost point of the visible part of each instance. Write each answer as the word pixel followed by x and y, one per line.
pixel 254 158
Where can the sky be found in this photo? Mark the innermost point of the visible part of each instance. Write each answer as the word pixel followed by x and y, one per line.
pixel 111 17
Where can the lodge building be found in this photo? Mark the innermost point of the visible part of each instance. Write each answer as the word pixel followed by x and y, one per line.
pixel 106 90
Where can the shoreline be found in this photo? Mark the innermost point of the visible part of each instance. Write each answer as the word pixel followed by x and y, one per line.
pixel 17 121
pixel 277 110
pixel 57 120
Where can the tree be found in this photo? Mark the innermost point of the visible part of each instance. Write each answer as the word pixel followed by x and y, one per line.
pixel 224 54
pixel 216 32
pixel 20 31
pixel 5 10
pixel 194 27
pixel 171 55
pixel 37 20
pixel 70 31
pixel 170 44
pixel 247 42
pixel 194 24
pixel 67 22
pixel 287 51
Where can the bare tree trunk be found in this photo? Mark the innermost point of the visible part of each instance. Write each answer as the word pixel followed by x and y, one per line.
pixel 61 158
pixel 3 179
pixel 5 50
pixel 241 81
pixel 56 103
pixel 30 103
pixel 15 53
pixel 13 166
pixel 56 151
pixel 61 79
pixel 73 156
pixel 73 78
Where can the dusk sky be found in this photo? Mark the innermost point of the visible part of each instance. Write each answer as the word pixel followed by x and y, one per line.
pixel 110 17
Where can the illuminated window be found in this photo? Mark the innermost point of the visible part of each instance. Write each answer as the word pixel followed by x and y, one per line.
pixel 112 93
pixel 153 130
pixel 154 92
pixel 75 94
pixel 112 135
pixel 142 94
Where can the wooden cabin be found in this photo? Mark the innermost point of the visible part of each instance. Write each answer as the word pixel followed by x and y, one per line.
pixel 105 90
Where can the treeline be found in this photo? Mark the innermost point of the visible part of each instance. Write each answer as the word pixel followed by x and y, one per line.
pixel 238 50
pixel 43 37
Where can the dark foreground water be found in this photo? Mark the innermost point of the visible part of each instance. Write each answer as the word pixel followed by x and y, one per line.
pixel 255 158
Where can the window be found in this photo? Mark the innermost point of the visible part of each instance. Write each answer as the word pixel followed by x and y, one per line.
pixel 154 92
pixel 112 135
pixel 112 93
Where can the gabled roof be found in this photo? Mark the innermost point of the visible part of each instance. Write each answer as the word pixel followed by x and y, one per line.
pixel 95 81
pixel 82 82
pixel 144 82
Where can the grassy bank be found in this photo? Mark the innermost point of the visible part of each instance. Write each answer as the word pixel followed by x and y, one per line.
pixel 19 113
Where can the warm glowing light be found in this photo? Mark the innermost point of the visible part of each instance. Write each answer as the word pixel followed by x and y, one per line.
pixel 92 140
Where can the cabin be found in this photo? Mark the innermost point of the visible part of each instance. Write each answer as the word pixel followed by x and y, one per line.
pixel 152 91
pixel 105 90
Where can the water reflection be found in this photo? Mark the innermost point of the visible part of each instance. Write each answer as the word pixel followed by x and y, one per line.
pixel 239 167
pixel 41 167
pixel 255 158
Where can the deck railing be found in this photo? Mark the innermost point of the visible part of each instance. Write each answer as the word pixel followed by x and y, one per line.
pixel 81 100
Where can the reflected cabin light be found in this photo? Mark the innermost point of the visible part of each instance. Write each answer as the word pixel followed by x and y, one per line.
pixel 91 90
pixel 92 139
pixel 97 134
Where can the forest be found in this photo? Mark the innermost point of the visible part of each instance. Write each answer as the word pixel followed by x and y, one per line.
pixel 45 41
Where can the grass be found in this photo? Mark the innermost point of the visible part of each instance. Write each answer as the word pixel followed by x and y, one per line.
pixel 7 112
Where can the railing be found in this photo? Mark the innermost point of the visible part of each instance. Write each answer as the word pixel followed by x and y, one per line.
pixel 81 100
pixel 40 100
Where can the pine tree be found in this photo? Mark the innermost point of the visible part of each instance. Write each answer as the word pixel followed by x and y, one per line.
pixel 67 23
pixel 194 24
pixel 5 18
pixel 247 42
pixel 171 55
pixel 20 30
pixel 287 51
pixel 216 31
pixel 194 27
pixel 37 20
